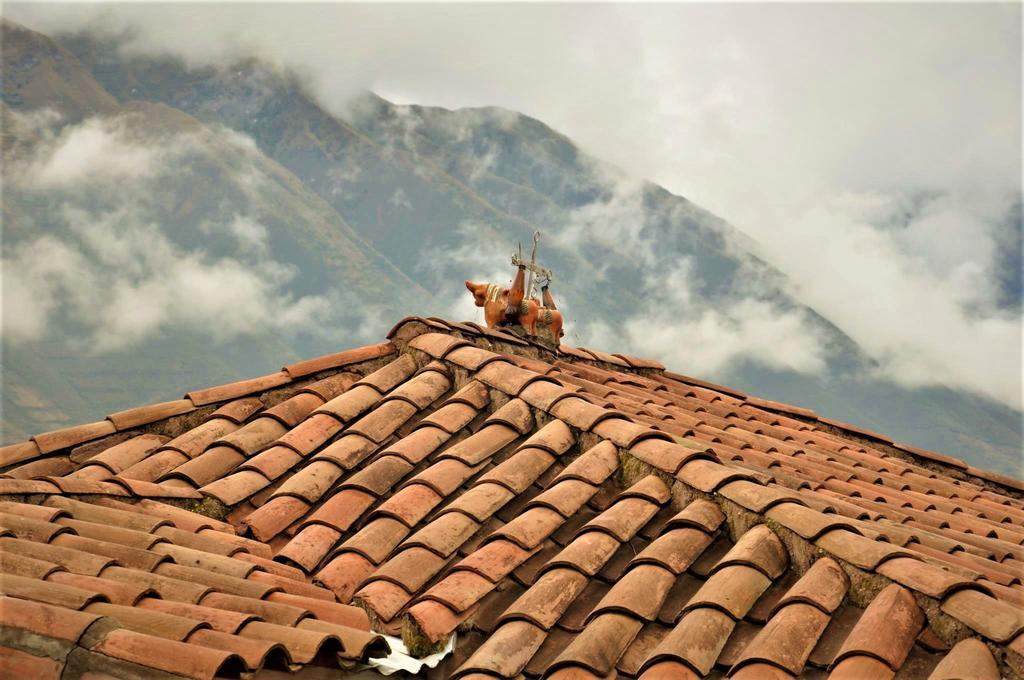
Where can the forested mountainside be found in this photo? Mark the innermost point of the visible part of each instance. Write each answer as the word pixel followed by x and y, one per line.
pixel 194 225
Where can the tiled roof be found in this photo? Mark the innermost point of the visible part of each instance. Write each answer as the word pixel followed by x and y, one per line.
pixel 565 514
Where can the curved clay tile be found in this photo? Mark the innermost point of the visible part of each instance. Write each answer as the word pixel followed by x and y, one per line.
pixel 969 658
pixel 887 629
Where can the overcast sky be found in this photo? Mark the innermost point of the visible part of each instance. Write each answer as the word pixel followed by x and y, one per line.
pixel 815 128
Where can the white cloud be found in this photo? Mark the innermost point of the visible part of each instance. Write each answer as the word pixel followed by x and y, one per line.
pixel 125 281
pixel 97 150
pixel 676 326
pixel 788 120
pixel 920 308
pixel 109 268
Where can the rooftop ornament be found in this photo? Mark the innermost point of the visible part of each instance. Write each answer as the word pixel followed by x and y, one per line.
pixel 518 306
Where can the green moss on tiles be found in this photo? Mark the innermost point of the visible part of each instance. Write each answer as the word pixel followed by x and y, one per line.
pixel 208 507
pixel 631 470
pixel 418 644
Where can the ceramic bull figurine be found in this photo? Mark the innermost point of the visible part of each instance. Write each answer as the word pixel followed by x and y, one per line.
pixel 497 302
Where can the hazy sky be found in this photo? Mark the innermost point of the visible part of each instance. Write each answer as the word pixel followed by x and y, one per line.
pixel 872 150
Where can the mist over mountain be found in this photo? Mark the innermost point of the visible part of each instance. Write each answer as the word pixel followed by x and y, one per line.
pixel 193 225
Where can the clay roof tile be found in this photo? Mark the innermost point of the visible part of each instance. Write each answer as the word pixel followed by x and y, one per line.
pixel 43 619
pixel 858 550
pixel 451 417
pixel 824 586
pixel 640 593
pixel 887 629
pixel 787 640
pixel 340 359
pixel 437 345
pixel 626 434
pixel 472 358
pixel 700 514
pixel 520 470
pixel 507 377
pixel 708 475
pixel 422 389
pixel 675 550
pixel 996 620
pixel 968 658
pixel 506 652
pixel 759 548
pixel 49 442
pixel 18 453
pixel 480 502
pixel 595 465
pixel 143 415
pixel 274 516
pixel 696 641
pixel 599 646
pixel 516 414
pixel 623 519
pixel 311 434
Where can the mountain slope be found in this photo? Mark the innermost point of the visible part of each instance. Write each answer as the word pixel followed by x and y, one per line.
pixel 195 204
pixel 384 210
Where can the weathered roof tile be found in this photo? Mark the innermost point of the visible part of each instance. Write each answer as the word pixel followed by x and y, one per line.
pixel 432 519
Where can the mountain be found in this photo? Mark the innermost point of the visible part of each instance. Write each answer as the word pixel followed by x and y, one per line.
pixel 382 210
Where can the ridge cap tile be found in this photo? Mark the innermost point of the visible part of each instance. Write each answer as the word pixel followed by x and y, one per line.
pixel 301 369
pixel 437 345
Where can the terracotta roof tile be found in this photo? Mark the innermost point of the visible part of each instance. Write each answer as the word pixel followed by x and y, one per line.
pixel 887 629
pixel 969 658
pixel 506 652
pixel 858 550
pixel 274 516
pixel 143 415
pixel 600 645
pixel 383 421
pixel 520 470
pixel 787 640
pixel 472 358
pixel 580 413
pixel 482 445
pixel 697 641
pixel 623 519
pixel 238 389
pixel 437 345
pixel 675 550
pixel 992 618
pixel 339 360
pixel 70 436
pixel 391 375
pixel 433 519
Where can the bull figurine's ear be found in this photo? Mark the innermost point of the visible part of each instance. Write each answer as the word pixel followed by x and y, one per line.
pixel 470 286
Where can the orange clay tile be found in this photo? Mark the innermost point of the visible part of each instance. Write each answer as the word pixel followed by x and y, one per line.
pixel 575 514
pixel 338 360
pixel 143 415
pixel 238 389
pixel 70 436
pixel 18 453
pixel 887 629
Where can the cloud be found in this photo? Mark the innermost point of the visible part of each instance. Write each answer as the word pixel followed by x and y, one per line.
pixel 99 150
pixel 872 150
pixel 110 271
pixel 124 281
pixel 924 310
pixel 676 326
